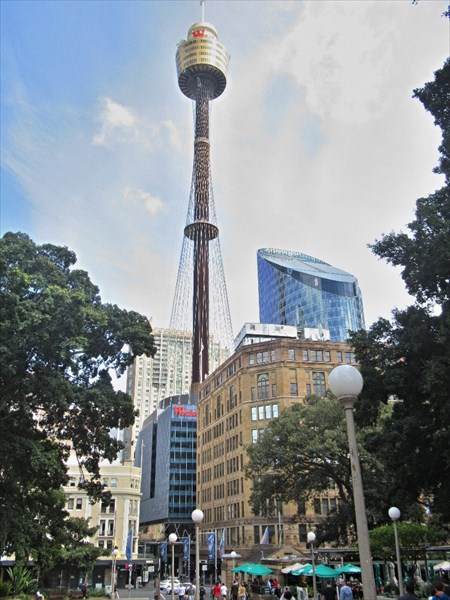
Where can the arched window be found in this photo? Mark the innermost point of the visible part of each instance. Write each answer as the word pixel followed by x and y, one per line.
pixel 263 386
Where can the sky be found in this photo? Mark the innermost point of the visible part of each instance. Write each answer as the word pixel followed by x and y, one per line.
pixel 317 145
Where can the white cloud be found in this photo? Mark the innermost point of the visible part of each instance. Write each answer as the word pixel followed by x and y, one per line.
pixel 118 123
pixel 152 204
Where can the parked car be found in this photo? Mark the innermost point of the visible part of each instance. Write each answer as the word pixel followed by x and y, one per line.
pixel 166 585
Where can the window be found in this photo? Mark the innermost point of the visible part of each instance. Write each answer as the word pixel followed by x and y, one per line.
pixel 327 356
pixel 317 506
pixel 254 413
pixel 305 355
pixel 291 353
pixel 268 411
pixel 317 355
pixel 263 386
pixel 350 357
pixel 260 413
pixel 251 359
pixel 72 482
pixel 294 390
pixel 254 436
pixel 252 391
pixel 70 504
pixel 273 356
pixel 319 383
pixel 302 533
pixel 324 506
pixel 339 356
pixel 79 504
pixel 274 390
pixel 275 411
pixel 113 482
pixel 308 389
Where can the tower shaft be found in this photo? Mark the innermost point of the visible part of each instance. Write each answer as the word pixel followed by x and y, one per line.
pixel 202 64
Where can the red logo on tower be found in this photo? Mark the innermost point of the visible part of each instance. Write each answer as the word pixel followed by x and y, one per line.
pixel 197 33
pixel 180 411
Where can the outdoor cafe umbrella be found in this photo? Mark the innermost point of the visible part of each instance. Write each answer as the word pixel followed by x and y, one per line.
pixel 443 566
pixel 349 568
pixel 254 569
pixel 240 568
pixel 291 568
pixel 320 571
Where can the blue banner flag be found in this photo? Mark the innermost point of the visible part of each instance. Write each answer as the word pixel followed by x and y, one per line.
pixel 129 548
pixel 186 548
pixel 163 552
pixel 222 543
pixel 212 545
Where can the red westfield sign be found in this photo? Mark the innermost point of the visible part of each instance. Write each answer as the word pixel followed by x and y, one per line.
pixel 181 411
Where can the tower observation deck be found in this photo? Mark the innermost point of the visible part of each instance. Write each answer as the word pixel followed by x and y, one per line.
pixel 201 300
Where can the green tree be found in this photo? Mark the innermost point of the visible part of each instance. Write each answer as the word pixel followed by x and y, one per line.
pixel 414 538
pixel 409 357
pixel 58 344
pixel 298 456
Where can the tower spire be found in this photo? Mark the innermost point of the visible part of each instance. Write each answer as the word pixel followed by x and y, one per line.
pixel 202 7
pixel 202 64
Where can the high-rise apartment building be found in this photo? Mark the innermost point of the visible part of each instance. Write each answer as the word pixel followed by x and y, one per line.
pixel 152 379
pixel 297 289
pixel 255 385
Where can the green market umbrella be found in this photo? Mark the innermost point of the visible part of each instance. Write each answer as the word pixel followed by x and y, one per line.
pixel 320 571
pixel 254 569
pixel 240 569
pixel 349 568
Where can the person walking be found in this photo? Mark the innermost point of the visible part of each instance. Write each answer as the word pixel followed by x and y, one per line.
pixel 329 593
pixel 224 591
pixel 409 589
pixel 216 593
pixel 242 592
pixel 346 592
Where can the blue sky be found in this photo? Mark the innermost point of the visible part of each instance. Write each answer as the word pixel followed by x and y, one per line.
pixel 317 144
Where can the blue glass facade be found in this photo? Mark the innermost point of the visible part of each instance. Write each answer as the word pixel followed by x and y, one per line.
pixel 167 448
pixel 297 289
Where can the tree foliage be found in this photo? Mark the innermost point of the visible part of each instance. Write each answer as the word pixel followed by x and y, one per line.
pixel 409 357
pixel 300 454
pixel 58 344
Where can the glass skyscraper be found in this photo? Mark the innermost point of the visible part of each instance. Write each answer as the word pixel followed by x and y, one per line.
pixel 297 289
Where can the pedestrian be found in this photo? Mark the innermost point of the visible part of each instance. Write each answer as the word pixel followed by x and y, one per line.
pixel 410 595
pixel 329 593
pixel 224 591
pixel 202 592
pixel 216 593
pixel 242 592
pixel 439 593
pixel 39 595
pixel 345 593
pixel 84 590
pixel 234 590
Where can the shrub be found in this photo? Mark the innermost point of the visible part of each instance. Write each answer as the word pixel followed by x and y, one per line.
pixel 5 589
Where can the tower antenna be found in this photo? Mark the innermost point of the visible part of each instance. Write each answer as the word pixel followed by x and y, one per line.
pixel 202 6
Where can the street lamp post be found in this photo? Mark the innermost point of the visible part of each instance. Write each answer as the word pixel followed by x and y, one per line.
pixel 394 514
pixel 172 539
pixel 311 537
pixel 346 383
pixel 233 555
pixel 115 552
pixel 197 516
